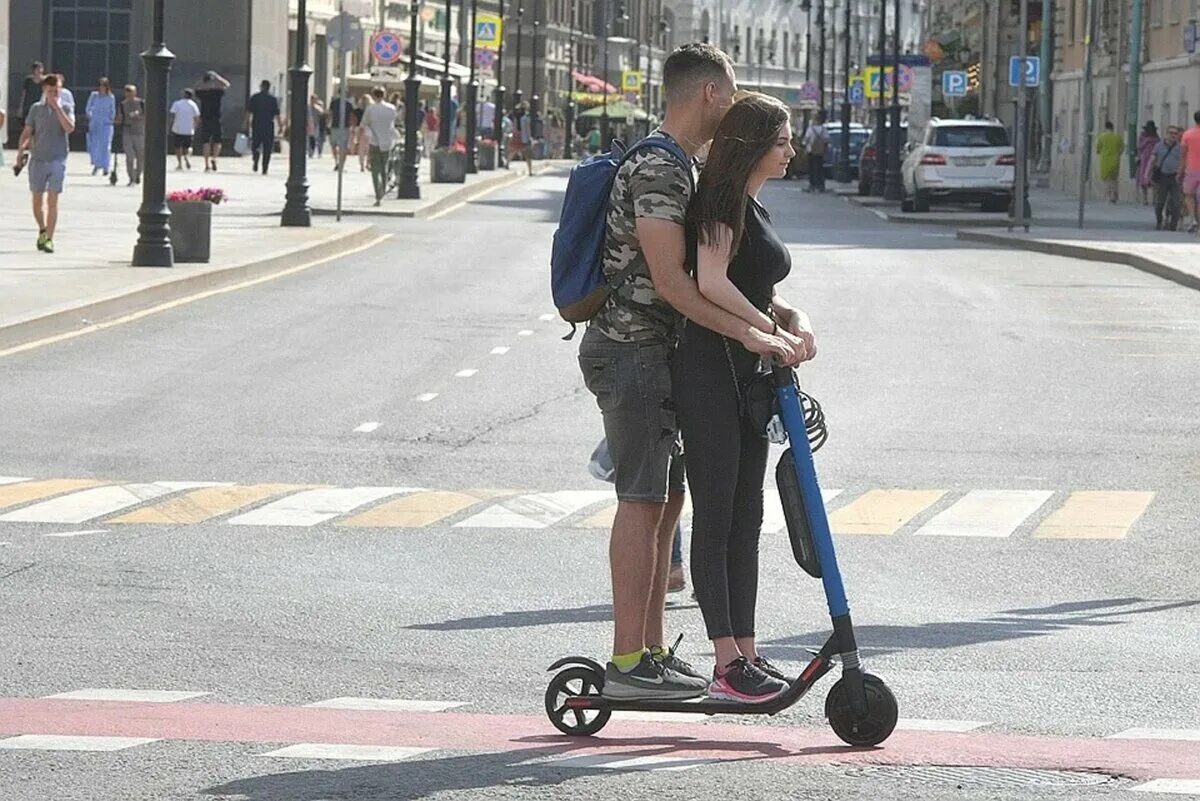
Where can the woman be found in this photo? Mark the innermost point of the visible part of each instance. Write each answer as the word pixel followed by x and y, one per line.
pixel 101 111
pixel 521 143
pixel 315 126
pixel 362 143
pixel 738 260
pixel 1147 141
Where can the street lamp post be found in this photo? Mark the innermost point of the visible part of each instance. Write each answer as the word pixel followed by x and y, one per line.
pixel 498 112
pixel 295 209
pixel 821 65
pixel 534 128
pixel 153 248
pixel 843 165
pixel 893 189
pixel 444 107
pixel 604 108
pixel 472 98
pixel 879 171
pixel 412 122
pixel 569 140
pixel 517 96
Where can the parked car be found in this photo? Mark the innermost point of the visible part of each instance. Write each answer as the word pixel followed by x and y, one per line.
pixel 965 161
pixel 858 137
pixel 867 158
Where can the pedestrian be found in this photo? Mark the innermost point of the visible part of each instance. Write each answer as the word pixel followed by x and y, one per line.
pixel 1147 141
pixel 342 122
pixel 1189 172
pixel 31 90
pixel 362 141
pixel 44 142
pixel 131 117
pixel 487 120
pixel 1110 146
pixel 379 120
pixel 593 140
pixel 1163 170
pixel 65 97
pixel 625 360
pixel 432 130
pixel 816 143
pixel 315 126
pixel 454 121
pixel 101 112
pixel 262 121
pixel 209 93
pixel 185 119
pixel 739 261
pixel 521 144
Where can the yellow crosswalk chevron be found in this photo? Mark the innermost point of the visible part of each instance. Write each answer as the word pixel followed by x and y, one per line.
pixel 205 504
pixel 419 509
pixel 1095 516
pixel 27 491
pixel 882 511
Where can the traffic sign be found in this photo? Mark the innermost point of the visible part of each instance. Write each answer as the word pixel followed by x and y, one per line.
pixel 484 59
pixel 1033 71
pixel 876 75
pixel 810 96
pixel 488 30
pixel 387 47
pixel 344 33
pixel 858 93
pixel 631 80
pixel 954 83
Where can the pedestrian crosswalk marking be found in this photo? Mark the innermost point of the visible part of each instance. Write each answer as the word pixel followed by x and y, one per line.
pixel 417 510
pixel 926 724
pixel 361 753
pixel 17 494
pixel 621 762
pixel 11 480
pixel 63 742
pixel 1174 786
pixel 131 696
pixel 1104 515
pixel 205 504
pixel 538 510
pixel 1157 734
pixel 773 519
pixel 314 506
pixel 388 704
pixel 89 504
pixel 882 511
pixel 986 513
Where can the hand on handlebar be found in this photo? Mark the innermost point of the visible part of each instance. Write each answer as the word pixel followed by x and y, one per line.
pixel 774 347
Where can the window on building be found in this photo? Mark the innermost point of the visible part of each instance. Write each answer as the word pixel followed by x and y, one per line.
pixel 1185 114
pixel 1156 12
pixel 89 40
pixel 1071 20
pixel 785 48
pixel 1173 16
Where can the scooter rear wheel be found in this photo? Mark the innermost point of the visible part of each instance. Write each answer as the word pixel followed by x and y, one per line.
pixel 572 683
pixel 882 713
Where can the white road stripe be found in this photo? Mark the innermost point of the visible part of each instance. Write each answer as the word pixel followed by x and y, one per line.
pixel 362 753
pixel 314 506
pixel 427 397
pixel 11 480
pixel 1175 786
pixel 77 507
pixel 545 318
pixel 916 724
pixel 367 428
pixel 138 696
pixel 388 704
pixel 593 761
pixel 525 333
pixel 773 519
pixel 1157 734
pixel 60 742
pixel 537 510
pixel 500 350
pixel 77 533
pixel 662 717
pixel 986 513
pixel 470 371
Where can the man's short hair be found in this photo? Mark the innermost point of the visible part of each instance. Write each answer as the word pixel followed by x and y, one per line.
pixel 378 93
pixel 50 80
pixel 130 88
pixel 1196 117
pixel 187 93
pixel 691 66
pixel 264 85
pixel 37 65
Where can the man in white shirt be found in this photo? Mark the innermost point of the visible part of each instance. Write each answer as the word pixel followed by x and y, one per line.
pixel 380 121
pixel 184 116
pixel 487 119
pixel 816 143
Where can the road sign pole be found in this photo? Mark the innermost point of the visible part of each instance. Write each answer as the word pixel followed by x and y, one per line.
pixel 843 165
pixel 1017 214
pixel 879 173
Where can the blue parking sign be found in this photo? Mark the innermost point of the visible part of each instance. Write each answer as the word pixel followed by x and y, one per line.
pixel 1033 71
pixel 858 93
pixel 954 83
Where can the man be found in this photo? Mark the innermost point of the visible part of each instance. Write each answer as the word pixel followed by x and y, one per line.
pixel 380 120
pixel 31 89
pixel 625 360
pixel 816 142
pixel 185 118
pixel 210 91
pixel 262 120
pixel 131 117
pixel 487 120
pixel 1110 146
pixel 44 139
pixel 1164 164
pixel 342 122
pixel 593 140
pixel 1189 172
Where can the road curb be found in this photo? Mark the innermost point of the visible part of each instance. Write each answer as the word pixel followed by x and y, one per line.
pixel 883 212
pixel 67 319
pixel 1086 252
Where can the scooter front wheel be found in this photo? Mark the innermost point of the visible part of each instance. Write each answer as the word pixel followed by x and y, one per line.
pixel 575 682
pixel 880 721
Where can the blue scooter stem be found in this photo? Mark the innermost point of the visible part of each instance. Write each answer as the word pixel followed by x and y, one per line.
pixel 792 413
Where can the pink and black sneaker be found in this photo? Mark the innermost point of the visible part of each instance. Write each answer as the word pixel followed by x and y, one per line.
pixel 744 683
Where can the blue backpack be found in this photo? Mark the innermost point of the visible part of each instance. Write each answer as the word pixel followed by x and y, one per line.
pixel 577 258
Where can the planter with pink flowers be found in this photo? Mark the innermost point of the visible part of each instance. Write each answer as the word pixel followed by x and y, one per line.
pixel 191 222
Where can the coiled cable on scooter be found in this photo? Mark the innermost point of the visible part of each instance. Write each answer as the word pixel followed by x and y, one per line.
pixel 814 421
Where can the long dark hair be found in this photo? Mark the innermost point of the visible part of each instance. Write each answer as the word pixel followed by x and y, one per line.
pixel 747 133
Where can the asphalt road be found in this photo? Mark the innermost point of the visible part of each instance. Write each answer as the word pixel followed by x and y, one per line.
pixel 944 368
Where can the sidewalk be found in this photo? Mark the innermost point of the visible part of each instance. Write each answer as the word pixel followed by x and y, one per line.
pixel 89 278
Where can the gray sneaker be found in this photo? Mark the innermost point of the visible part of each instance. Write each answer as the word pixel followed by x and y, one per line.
pixel 650 680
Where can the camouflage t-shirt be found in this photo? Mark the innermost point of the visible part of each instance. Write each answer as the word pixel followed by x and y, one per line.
pixel 652 184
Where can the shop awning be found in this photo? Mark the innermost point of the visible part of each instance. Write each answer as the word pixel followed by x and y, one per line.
pixel 435 65
pixel 593 83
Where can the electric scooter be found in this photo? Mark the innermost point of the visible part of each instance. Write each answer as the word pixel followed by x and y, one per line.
pixel 860 708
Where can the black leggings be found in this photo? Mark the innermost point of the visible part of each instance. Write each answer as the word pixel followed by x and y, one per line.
pixel 726 463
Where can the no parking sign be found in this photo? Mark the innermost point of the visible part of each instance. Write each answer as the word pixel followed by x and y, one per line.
pixel 387 47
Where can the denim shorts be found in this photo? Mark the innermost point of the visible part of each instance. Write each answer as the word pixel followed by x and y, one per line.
pixel 47 176
pixel 632 385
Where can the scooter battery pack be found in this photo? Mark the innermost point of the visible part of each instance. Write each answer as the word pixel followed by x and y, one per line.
pixel 796 515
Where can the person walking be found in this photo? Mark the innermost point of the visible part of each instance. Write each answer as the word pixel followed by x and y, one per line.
pixel 1109 146
pixel 101 112
pixel 44 142
pixel 31 90
pixel 362 138
pixel 1163 171
pixel 1189 172
pixel 185 119
pixel 379 120
pixel 131 117
pixel 816 143
pixel 432 129
pixel 521 144
pixel 262 121
pixel 315 126
pixel 1147 141
pixel 209 93
pixel 342 122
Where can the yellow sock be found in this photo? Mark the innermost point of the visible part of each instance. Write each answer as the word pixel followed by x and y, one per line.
pixel 627 662
pixel 659 653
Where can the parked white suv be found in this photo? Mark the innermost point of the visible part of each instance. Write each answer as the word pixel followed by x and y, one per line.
pixel 964 161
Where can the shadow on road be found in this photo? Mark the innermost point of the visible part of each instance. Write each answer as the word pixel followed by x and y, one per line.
pixel 598 613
